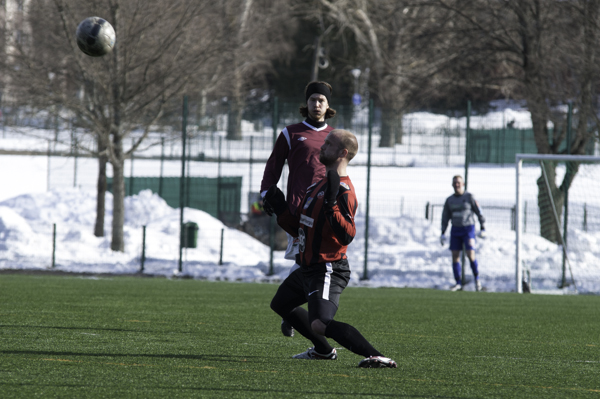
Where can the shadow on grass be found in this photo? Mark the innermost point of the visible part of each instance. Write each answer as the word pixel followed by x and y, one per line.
pixel 68 328
pixel 297 393
pixel 219 357
pixel 247 391
pixel 144 328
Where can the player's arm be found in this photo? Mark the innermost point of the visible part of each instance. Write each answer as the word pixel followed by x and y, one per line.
pixel 338 211
pixel 477 210
pixel 446 214
pixel 275 163
pixel 341 220
pixel 274 202
pixel 288 222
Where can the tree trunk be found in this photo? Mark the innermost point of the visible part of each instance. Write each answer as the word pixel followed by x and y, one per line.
pixel 391 127
pixel 118 164
pixel 101 196
pixel 399 128
pixel 234 118
pixel 548 226
pixel 237 100
pixel 236 105
pixel 314 73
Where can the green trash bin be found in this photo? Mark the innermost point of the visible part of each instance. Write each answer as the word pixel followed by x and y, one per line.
pixel 189 235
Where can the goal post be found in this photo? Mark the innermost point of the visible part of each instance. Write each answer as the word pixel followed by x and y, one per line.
pixel 555 258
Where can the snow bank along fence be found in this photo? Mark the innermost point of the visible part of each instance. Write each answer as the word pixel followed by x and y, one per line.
pixel 220 197
pixel 418 143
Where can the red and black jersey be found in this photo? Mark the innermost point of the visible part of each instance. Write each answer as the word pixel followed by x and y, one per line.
pixel 324 233
pixel 300 145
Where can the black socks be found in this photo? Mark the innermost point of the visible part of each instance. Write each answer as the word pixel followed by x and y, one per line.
pixel 298 318
pixel 350 338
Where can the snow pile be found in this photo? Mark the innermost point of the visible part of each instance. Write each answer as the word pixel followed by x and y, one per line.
pixel 403 251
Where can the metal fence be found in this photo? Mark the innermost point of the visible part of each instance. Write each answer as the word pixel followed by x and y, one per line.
pixel 409 180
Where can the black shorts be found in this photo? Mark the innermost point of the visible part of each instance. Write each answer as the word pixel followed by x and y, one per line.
pixel 320 286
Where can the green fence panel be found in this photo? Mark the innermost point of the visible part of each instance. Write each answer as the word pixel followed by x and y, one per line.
pixel 220 197
pixel 499 146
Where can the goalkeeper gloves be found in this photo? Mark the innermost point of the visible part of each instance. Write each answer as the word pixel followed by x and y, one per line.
pixel 333 180
pixel 482 231
pixel 443 239
pixel 274 201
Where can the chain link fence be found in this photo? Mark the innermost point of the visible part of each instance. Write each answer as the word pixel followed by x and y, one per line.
pixel 408 181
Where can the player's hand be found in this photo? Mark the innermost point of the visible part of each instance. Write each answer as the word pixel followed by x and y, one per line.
pixel 443 239
pixel 274 201
pixel 333 181
pixel 482 234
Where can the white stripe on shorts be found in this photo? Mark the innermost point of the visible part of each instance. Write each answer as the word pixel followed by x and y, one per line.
pixel 327 281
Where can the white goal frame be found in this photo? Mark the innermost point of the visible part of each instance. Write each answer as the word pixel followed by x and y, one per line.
pixel 519 219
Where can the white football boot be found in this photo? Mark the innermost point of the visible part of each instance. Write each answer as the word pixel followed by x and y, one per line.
pixel 312 354
pixel 377 362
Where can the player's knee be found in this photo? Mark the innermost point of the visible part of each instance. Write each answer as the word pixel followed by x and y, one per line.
pixel 277 307
pixel 471 255
pixel 318 327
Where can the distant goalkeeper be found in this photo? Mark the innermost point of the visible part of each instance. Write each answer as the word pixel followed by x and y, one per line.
pixel 461 208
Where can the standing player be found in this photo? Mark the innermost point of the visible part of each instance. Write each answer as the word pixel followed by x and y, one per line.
pixel 300 144
pixel 324 224
pixel 460 208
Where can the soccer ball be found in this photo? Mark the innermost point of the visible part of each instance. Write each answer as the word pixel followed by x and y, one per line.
pixel 95 36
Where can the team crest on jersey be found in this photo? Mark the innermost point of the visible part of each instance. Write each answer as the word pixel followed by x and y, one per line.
pixel 302 138
pixel 307 221
pixel 321 194
pixel 347 187
pixel 308 201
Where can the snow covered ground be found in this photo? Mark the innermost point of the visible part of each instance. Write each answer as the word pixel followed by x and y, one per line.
pixel 404 250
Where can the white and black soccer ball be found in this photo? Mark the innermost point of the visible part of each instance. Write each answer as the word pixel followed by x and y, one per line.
pixel 95 36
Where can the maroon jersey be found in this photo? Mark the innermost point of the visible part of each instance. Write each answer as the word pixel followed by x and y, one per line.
pixel 324 234
pixel 300 144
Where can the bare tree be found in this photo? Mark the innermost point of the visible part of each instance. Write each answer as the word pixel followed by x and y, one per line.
pixel 543 52
pixel 257 32
pixel 384 32
pixel 162 51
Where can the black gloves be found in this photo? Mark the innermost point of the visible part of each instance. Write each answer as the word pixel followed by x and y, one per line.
pixel 333 180
pixel 482 233
pixel 274 201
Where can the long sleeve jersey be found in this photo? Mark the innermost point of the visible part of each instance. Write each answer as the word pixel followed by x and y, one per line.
pixel 461 210
pixel 324 233
pixel 300 145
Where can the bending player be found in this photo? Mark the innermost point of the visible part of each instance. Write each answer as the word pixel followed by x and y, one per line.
pixel 324 224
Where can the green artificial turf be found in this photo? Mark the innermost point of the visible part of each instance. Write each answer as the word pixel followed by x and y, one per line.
pixel 153 337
